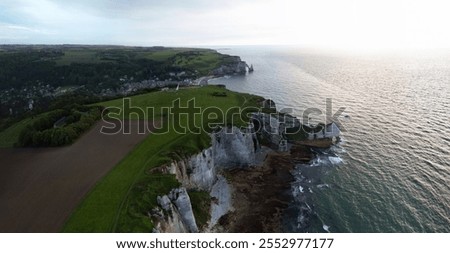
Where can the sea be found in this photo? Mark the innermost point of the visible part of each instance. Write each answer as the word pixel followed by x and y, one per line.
pixel 390 172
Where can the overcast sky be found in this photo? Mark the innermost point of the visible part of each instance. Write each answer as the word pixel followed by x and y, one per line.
pixel 322 23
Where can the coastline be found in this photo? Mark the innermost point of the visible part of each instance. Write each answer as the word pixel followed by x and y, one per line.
pixel 269 195
pixel 256 183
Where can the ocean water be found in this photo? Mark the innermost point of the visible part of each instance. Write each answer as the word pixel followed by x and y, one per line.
pixel 391 172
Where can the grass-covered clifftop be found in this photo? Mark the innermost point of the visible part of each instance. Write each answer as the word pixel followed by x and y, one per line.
pixel 72 66
pixel 36 75
pixel 124 195
pixel 120 202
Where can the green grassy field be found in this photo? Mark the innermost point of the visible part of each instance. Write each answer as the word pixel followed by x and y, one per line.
pixel 10 136
pixel 120 201
pixel 96 55
pixel 165 54
pixel 78 56
pixel 202 60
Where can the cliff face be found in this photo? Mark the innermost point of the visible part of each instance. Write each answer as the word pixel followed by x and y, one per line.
pixel 203 170
pixel 234 148
pixel 271 128
pixel 222 194
pixel 175 214
pixel 249 187
pixel 230 148
pixel 235 170
pixel 236 67
pixel 196 172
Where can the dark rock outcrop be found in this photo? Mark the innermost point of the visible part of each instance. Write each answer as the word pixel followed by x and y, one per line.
pixel 261 194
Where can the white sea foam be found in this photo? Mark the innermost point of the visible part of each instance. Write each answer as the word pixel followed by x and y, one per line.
pixel 367 139
pixel 338 149
pixel 316 162
pixel 326 160
pixel 321 186
pixel 308 206
pixel 335 160
pixel 300 188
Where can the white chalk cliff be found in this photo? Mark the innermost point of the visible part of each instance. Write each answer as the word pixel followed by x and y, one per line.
pixel 231 147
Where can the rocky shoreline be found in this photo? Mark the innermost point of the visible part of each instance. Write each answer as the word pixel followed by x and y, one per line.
pixel 249 184
pixel 261 194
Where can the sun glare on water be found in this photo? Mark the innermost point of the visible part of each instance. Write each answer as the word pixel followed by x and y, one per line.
pixel 348 24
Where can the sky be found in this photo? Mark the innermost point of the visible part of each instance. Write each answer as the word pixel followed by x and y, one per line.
pixel 312 23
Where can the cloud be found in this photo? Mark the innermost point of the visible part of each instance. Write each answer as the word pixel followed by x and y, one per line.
pixel 11 33
pixel 128 22
pixel 327 23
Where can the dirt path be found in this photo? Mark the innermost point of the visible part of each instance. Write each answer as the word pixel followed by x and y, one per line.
pixel 39 188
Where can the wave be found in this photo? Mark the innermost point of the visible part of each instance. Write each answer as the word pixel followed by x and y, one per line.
pixel 391 131
pixel 335 160
pixel 321 186
pixel 326 160
pixel 309 177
